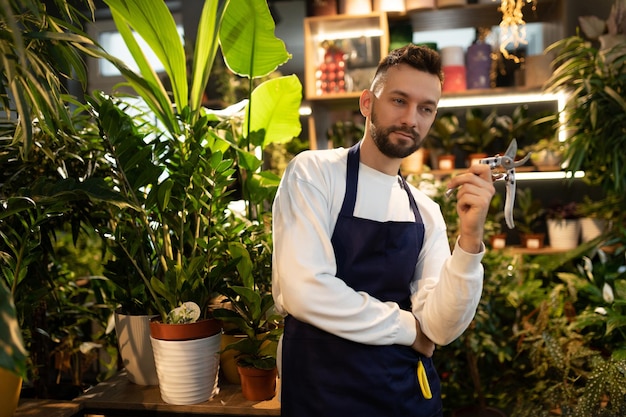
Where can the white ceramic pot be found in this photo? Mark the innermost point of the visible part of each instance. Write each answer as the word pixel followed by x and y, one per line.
pixel 133 339
pixel 591 228
pixel 187 369
pixel 563 233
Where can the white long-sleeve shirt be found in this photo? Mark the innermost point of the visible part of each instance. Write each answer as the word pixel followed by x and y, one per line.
pixel 446 287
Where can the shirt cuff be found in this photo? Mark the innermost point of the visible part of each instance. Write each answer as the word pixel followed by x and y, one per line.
pixel 468 258
pixel 407 332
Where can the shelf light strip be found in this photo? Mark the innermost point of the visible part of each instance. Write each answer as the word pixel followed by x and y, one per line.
pixel 500 99
pixel 548 175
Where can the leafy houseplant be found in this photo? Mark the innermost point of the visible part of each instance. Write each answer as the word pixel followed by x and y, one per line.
pixel 442 139
pixel 175 177
pixel 12 352
pixel 563 225
pixel 251 312
pixel 529 214
pixel 482 131
pixel 594 79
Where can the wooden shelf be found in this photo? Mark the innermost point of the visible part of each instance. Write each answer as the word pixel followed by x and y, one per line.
pixel 474 15
pixel 118 396
pixel 328 105
pixel 546 250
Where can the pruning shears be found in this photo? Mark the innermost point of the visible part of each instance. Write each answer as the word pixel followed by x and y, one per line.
pixel 508 163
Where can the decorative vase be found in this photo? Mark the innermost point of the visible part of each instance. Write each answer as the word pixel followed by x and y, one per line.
pixel 563 233
pixel 187 360
pixel 10 387
pixel 133 340
pixel 257 384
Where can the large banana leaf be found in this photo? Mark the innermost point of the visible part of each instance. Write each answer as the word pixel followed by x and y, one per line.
pixel 276 103
pixel 153 21
pixel 247 38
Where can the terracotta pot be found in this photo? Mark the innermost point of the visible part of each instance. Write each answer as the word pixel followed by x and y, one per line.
pixel 228 359
pixel 474 158
pixel 498 241
pixel 188 331
pixel 258 384
pixel 533 240
pixel 187 359
pixel 446 162
pixel 10 386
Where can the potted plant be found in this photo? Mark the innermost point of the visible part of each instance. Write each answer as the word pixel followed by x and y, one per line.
pixel 255 352
pixel 481 132
pixel 176 176
pixel 442 139
pixel 528 217
pixel 594 78
pixel 13 355
pixel 563 225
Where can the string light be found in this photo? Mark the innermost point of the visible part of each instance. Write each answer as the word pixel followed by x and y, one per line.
pixel 513 26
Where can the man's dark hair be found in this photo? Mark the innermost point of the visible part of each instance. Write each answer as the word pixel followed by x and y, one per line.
pixel 419 57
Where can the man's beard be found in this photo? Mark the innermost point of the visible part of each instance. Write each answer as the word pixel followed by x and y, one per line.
pixel 388 148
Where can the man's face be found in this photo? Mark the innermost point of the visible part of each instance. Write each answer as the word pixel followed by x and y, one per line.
pixel 403 110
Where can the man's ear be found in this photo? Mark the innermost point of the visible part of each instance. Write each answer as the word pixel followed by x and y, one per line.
pixel 365 102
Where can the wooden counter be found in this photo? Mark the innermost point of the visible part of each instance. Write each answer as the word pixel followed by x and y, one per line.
pixel 119 397
pixel 29 407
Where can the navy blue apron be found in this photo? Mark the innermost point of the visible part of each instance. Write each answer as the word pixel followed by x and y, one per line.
pixel 335 377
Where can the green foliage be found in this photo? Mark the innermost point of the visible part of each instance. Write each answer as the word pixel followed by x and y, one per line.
pixel 177 177
pixel 39 53
pixel 595 111
pixel 529 212
pixel 251 313
pixel 444 133
pixel 481 132
pixel 12 352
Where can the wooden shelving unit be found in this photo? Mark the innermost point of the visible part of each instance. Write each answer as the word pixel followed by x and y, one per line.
pixel 327 107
